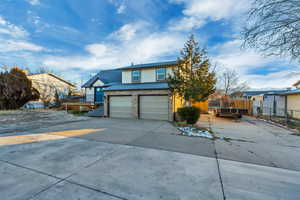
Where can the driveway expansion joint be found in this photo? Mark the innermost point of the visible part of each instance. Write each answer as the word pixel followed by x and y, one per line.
pixel 66 178
pixel 219 172
pixel 97 190
pixel 30 169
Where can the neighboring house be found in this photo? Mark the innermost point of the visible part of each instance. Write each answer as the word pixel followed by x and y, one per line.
pixel 49 84
pixel 94 87
pixel 137 91
pixel 293 103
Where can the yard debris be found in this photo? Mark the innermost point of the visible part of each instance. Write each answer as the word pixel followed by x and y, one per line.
pixel 280 124
pixel 195 132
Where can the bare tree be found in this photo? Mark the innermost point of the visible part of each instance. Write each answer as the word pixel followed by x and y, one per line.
pixel 273 27
pixel 44 69
pixel 229 81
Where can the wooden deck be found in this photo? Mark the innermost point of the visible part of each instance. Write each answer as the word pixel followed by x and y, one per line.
pixel 79 106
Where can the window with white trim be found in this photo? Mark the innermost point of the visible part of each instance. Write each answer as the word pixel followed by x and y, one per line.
pixel 161 74
pixel 136 76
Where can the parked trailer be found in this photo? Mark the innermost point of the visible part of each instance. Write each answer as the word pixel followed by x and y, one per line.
pixel 229 112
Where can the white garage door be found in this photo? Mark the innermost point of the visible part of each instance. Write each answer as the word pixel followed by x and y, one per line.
pixel 154 107
pixel 120 107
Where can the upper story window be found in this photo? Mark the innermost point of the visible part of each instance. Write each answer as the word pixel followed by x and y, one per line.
pixel 161 74
pixel 136 76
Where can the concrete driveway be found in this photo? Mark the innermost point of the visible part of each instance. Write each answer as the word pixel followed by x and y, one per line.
pixel 254 141
pixel 130 159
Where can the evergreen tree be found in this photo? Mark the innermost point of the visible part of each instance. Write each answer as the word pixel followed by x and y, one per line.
pixel 192 79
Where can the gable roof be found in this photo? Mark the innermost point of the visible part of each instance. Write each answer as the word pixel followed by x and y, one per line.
pixel 105 76
pixel 150 65
pixel 55 76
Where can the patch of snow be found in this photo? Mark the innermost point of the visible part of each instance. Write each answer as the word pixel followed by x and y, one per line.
pixel 193 132
pixel 33 105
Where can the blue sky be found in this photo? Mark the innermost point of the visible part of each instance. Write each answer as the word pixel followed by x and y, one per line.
pixel 77 38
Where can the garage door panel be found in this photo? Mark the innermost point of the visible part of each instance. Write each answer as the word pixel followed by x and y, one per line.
pixel 154 107
pixel 156 116
pixel 120 107
pixel 156 99
pixel 158 109
pixel 120 115
pixel 121 104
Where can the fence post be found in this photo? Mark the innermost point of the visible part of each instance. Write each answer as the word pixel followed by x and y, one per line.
pixel 286 117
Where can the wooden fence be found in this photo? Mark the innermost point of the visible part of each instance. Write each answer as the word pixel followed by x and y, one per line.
pixel 243 104
pixel 202 105
pixel 233 103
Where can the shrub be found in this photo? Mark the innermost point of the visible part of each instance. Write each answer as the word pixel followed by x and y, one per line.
pixel 16 89
pixel 189 114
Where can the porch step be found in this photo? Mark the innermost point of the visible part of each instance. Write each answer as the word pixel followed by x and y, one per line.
pixel 98 112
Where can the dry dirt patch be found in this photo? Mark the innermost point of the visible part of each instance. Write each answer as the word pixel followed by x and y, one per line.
pixel 19 120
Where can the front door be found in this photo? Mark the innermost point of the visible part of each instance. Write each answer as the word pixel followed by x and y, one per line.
pixel 98 95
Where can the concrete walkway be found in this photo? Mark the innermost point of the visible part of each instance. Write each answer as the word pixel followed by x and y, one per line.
pixel 100 159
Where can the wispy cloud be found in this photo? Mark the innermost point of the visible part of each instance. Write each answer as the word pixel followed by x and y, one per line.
pixel 121 8
pixel 15 45
pixel 128 31
pixel 34 2
pixel 8 29
pixel 231 55
pixel 141 48
pixel 281 79
pixel 15 39
pixel 120 5
pixel 86 39
pixel 198 12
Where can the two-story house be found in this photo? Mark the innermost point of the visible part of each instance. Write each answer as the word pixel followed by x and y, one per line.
pixel 137 91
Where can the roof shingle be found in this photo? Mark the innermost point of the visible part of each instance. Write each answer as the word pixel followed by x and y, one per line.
pixel 106 76
pixel 138 86
pixel 148 65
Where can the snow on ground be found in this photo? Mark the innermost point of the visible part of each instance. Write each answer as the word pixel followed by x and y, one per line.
pixel 194 132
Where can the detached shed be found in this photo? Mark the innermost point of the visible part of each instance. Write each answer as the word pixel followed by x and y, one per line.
pixel 274 104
